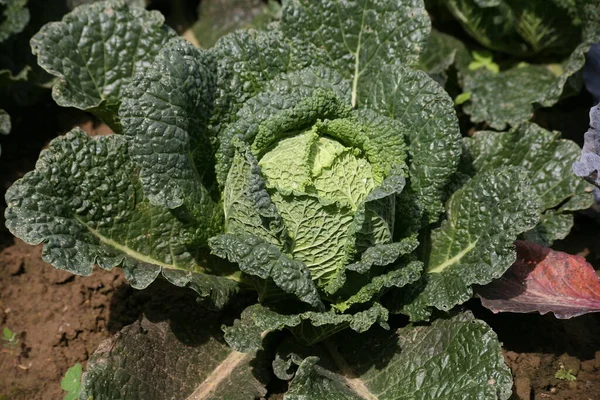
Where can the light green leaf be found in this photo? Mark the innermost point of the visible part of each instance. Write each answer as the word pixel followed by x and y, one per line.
pixel 547 160
pixel 95 51
pixel 309 327
pixel 174 358
pixel 474 245
pixel 360 36
pixel 220 17
pixel 248 207
pixel 71 382
pixel 451 359
pixel 259 258
pixel 273 114
pixel 85 203
pixel 319 233
pixel 165 111
pixel 462 98
pixel 15 16
pixel 433 137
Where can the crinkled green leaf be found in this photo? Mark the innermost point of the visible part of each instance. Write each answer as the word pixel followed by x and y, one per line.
pixel 304 82
pixel 544 156
pixel 520 28
pixel 506 98
pixel 248 207
pixel 260 258
pixel 308 327
pixel 217 18
pixel 5 125
pixel 246 61
pixel 383 254
pixel 71 4
pixel 173 359
pixel 95 51
pixel 85 203
pixel 273 114
pixel 451 359
pixel 360 36
pixel 553 226
pixel 399 277
pixel 319 233
pixel 165 111
pixel 474 245
pixel 432 134
pixel 14 18
pixel 440 53
pixel 547 160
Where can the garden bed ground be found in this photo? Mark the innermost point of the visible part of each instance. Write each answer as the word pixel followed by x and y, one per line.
pixel 60 319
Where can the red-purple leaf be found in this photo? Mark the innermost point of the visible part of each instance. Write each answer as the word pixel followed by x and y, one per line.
pixel 543 280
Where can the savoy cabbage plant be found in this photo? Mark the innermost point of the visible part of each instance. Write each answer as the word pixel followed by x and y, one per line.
pixel 311 163
pixel 539 50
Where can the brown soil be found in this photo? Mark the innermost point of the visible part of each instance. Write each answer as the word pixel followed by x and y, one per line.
pixel 60 320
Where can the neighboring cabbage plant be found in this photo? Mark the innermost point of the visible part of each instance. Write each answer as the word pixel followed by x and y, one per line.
pixel 538 46
pixel 310 164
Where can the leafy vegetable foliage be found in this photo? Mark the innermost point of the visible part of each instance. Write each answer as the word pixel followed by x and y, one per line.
pixel 320 168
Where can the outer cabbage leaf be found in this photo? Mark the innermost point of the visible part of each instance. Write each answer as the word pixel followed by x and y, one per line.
pixel 440 53
pixel 432 133
pixel 520 28
pixel 95 51
pixel 474 245
pixel 257 257
pixel 511 96
pixel 507 98
pixel 450 359
pixel 165 111
pixel 247 60
pixel 360 36
pixel 247 333
pixel 220 17
pixel 398 277
pixel 176 358
pixel 546 158
pixel 15 17
pixel 85 203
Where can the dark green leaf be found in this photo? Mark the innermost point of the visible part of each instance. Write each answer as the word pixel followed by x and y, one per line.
pixel 432 132
pixel 474 245
pixel 451 359
pixel 360 36
pixel 95 51
pixel 85 203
